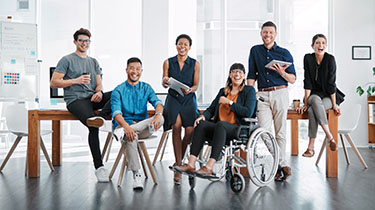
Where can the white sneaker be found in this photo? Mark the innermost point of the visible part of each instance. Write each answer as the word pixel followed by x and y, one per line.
pixel 137 183
pixel 102 174
pixel 96 121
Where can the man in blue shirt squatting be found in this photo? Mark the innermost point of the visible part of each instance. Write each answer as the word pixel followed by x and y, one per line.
pixel 273 88
pixel 129 111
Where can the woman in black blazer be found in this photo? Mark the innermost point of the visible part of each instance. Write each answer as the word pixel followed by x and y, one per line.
pixel 320 91
pixel 220 121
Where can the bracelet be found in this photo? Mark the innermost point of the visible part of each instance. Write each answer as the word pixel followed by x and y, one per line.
pixel 283 74
pixel 100 91
pixel 230 103
pixel 158 113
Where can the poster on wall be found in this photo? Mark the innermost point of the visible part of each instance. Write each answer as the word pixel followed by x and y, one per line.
pixel 18 62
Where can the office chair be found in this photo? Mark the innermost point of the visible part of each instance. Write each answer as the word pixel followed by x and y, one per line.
pixel 348 123
pixel 17 119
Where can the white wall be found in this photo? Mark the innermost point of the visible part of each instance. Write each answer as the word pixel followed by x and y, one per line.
pixel 154 39
pixel 354 24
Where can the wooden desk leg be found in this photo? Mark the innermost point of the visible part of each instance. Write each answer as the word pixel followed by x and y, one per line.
pixel 56 143
pixel 332 156
pixel 294 136
pixel 33 145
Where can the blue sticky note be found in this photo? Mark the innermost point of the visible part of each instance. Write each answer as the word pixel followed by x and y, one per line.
pixel 32 52
pixel 53 102
pixel 13 61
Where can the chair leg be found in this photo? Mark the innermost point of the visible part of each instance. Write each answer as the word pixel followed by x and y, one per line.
pixel 109 149
pixel 162 139
pixel 121 171
pixel 109 137
pixel 11 152
pixel 46 154
pixel 120 153
pixel 355 150
pixel 142 160
pixel 345 150
pixel 143 147
pixel 321 151
pixel 165 145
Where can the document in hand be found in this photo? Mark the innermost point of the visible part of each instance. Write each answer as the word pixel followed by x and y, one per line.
pixel 281 63
pixel 177 85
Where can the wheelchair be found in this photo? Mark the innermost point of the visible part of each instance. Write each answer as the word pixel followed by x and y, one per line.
pixel 262 158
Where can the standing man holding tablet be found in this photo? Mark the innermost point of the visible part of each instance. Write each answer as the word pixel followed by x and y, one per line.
pixel 273 88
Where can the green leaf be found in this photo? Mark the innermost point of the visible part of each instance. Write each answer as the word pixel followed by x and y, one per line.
pixel 373 71
pixel 360 91
pixel 369 91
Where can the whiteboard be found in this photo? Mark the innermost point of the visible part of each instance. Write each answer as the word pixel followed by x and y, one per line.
pixel 18 62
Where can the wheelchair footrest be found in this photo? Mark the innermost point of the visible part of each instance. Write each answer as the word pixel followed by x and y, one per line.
pixel 213 176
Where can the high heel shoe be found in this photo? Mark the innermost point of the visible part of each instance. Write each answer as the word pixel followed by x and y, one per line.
pixel 332 144
pixel 308 153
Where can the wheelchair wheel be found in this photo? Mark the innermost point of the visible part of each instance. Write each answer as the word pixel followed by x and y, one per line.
pixel 262 157
pixel 192 182
pixel 237 183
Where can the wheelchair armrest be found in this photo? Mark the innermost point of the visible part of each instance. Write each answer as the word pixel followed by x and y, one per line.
pixel 243 131
pixel 250 120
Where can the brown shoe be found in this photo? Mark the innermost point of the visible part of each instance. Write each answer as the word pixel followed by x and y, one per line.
pixel 283 173
pixel 308 153
pixel 287 172
pixel 204 172
pixel 279 176
pixel 96 121
pixel 186 168
pixel 332 144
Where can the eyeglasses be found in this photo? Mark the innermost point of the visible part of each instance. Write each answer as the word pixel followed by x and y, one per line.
pixel 236 71
pixel 84 40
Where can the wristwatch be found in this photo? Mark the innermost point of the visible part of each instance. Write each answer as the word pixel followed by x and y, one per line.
pixel 158 113
pixel 283 74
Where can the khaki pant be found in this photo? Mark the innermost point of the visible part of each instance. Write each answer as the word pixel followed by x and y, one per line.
pixel 273 113
pixel 143 132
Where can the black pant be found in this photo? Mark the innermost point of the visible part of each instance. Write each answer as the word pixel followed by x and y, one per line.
pixel 84 109
pixel 216 134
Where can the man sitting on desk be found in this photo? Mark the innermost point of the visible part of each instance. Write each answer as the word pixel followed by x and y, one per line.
pixel 80 76
pixel 129 110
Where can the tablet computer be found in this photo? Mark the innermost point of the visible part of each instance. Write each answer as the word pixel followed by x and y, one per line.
pixel 281 63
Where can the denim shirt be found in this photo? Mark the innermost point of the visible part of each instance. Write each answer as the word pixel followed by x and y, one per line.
pixel 259 57
pixel 131 101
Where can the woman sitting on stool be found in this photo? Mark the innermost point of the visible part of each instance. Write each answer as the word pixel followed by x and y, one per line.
pixel 233 102
pixel 321 92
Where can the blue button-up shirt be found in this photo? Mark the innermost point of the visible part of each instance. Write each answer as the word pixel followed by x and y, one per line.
pixel 259 57
pixel 131 101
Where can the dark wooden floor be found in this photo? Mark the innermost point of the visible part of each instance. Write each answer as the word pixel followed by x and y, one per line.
pixel 74 186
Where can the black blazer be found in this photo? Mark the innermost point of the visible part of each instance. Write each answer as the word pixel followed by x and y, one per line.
pixel 243 108
pixel 327 76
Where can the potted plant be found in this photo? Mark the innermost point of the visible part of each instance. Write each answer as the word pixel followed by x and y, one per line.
pixel 371 86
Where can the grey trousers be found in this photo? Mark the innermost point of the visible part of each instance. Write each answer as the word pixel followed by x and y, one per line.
pixel 143 132
pixel 317 113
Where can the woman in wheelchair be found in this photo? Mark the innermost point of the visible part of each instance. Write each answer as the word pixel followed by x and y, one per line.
pixel 219 122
